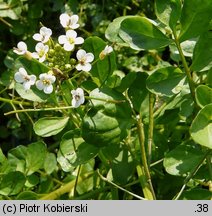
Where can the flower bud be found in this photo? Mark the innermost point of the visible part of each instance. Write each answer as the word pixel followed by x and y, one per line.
pixel 73 61
pixel 67 66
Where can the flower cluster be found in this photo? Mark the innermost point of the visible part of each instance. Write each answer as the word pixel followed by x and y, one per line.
pixel 58 56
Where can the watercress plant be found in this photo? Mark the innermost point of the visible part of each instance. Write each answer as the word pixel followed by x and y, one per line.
pixel 125 117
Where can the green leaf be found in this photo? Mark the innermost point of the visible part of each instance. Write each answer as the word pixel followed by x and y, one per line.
pixel 110 152
pixel 32 180
pixel 12 183
pixel 126 82
pixel 36 154
pixel 50 163
pixel 2 157
pixel 108 119
pixel 49 126
pixel 202 52
pixel 201 127
pixel 165 81
pixel 87 184
pixel 122 167
pixel 140 34
pixel 195 18
pixel 32 66
pixel 168 11
pixel 100 129
pixel 183 159
pixel 35 10
pixel 17 157
pixel 12 9
pixel 196 194
pixel 138 93
pixel 32 94
pixel 102 69
pixel 9 60
pixel 27 195
pixel 74 151
pixel 112 31
pixel 203 95
pixel 209 78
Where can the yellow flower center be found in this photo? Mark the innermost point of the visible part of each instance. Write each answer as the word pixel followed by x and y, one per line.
pixel 46 82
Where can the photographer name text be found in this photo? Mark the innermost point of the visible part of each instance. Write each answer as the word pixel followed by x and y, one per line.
pixel 44 208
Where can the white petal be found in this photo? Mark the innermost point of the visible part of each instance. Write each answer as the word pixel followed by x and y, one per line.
pixel 50 78
pixel 23 71
pixel 71 34
pixel 64 20
pixel 82 100
pixel 42 59
pixel 86 67
pixel 46 31
pixel 48 89
pixel 46 48
pixel 80 91
pixel 37 37
pixel 89 57
pixel 74 19
pixel 15 50
pixel 32 79
pixel 75 103
pixel 19 77
pixel 68 47
pixel 73 24
pixel 79 40
pixel 26 85
pixel 39 47
pixel 79 67
pixel 109 49
pixel 42 76
pixel 22 46
pixel 39 85
pixel 35 55
pixel 62 39
pixel 81 54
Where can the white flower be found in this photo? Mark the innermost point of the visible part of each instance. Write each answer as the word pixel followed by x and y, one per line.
pixel 45 82
pixel 44 35
pixel 84 60
pixel 41 52
pixel 21 48
pixel 78 97
pixel 69 21
pixel 69 40
pixel 22 77
pixel 107 50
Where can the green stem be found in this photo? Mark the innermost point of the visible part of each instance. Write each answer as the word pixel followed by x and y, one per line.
pixel 76 182
pixel 208 159
pixel 5 22
pixel 151 127
pixel 64 189
pixel 144 183
pixel 15 102
pixel 185 65
pixel 105 100
pixel 117 186
pixel 141 137
pixel 39 110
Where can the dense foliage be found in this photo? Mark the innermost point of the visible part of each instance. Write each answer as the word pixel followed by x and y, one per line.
pixel 106 99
